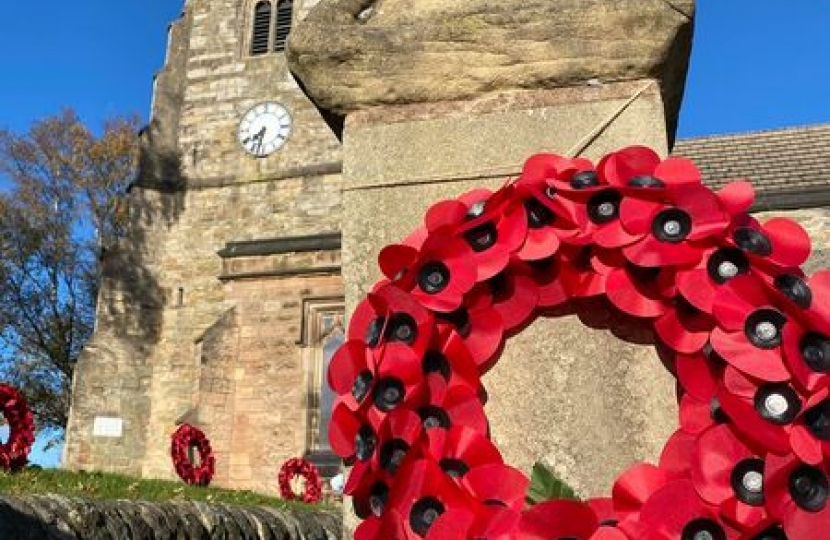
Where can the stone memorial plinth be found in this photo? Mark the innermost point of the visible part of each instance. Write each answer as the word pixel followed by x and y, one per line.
pixel 443 96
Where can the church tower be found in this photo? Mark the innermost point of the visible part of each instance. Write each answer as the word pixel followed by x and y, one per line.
pixel 223 302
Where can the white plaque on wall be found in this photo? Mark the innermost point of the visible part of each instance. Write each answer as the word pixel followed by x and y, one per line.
pixel 107 426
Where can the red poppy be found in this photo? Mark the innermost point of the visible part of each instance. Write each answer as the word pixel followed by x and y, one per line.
pixel 810 433
pixel 685 328
pixel 750 329
pixel 676 511
pixel 666 232
pixel 426 494
pixel 736 197
pixel 551 218
pixel 549 287
pixel 557 170
pixel 491 224
pixel 676 456
pixel 700 283
pixel 513 293
pixel 768 529
pixel 780 242
pixel 595 206
pixel 558 519
pixel 459 449
pixel 634 487
pixel 639 291
pixel 481 329
pixel 484 523
pixel 638 169
pixel 807 353
pixel 449 357
pixel 392 317
pixel 370 495
pixel 389 527
pixel 578 272
pixel 396 436
pixel 387 379
pixel 350 435
pixel 699 373
pixel 728 474
pixel 497 484
pixel 762 412
pixel 449 406
pixel 697 416
pixel 797 495
pixel 437 275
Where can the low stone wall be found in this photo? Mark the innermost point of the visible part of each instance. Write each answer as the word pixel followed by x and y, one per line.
pixel 50 517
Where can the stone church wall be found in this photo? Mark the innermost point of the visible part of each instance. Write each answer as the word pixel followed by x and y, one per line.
pixel 183 333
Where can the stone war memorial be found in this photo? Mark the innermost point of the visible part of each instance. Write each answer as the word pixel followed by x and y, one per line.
pixel 431 244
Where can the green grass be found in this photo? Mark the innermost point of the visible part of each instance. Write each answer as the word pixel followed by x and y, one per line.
pixel 96 485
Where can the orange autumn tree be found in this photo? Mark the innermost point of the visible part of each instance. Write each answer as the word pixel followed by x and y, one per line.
pixel 59 189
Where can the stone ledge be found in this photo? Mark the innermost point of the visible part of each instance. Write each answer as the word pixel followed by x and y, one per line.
pixel 286 244
pixel 53 517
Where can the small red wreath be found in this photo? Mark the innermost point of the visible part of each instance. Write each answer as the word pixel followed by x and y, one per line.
pixel 185 438
pixel 15 451
pixel 299 467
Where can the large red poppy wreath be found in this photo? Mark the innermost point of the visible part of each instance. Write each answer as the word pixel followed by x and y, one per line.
pixel 745 329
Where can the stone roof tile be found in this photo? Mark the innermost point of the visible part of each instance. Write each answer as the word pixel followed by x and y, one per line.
pixel 790 168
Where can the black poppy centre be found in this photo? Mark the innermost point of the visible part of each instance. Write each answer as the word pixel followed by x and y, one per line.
pixel 378 495
pixel 646 181
pixel 763 328
pixel 716 412
pixel 434 417
pixel 401 327
pixel 815 349
pixel 424 513
pixel 454 467
pixel 434 277
pixel 435 362
pixel 365 442
pixel 752 241
pixel 796 289
pixel 809 488
pixel 726 263
pixel 748 481
pixel 671 225
pixel 389 392
pixel 584 180
pixel 604 207
pixel 777 403
pixel 392 454
pixel 817 420
pixel 538 215
pixel 773 533
pixel 362 384
pixel 703 529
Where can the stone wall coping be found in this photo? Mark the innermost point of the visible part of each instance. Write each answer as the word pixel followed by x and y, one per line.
pixel 328 241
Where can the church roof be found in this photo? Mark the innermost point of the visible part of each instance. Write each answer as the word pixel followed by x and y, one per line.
pixel 790 168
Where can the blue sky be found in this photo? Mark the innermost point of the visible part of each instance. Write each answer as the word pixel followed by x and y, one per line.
pixel 755 65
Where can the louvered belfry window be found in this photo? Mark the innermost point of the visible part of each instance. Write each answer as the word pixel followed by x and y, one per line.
pixel 284 9
pixel 262 28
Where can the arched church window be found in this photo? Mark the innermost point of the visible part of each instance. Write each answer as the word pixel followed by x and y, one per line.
pixel 261 34
pixel 330 344
pixel 322 334
pixel 284 9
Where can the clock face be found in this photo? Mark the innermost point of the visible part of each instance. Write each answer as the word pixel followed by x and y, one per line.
pixel 264 128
